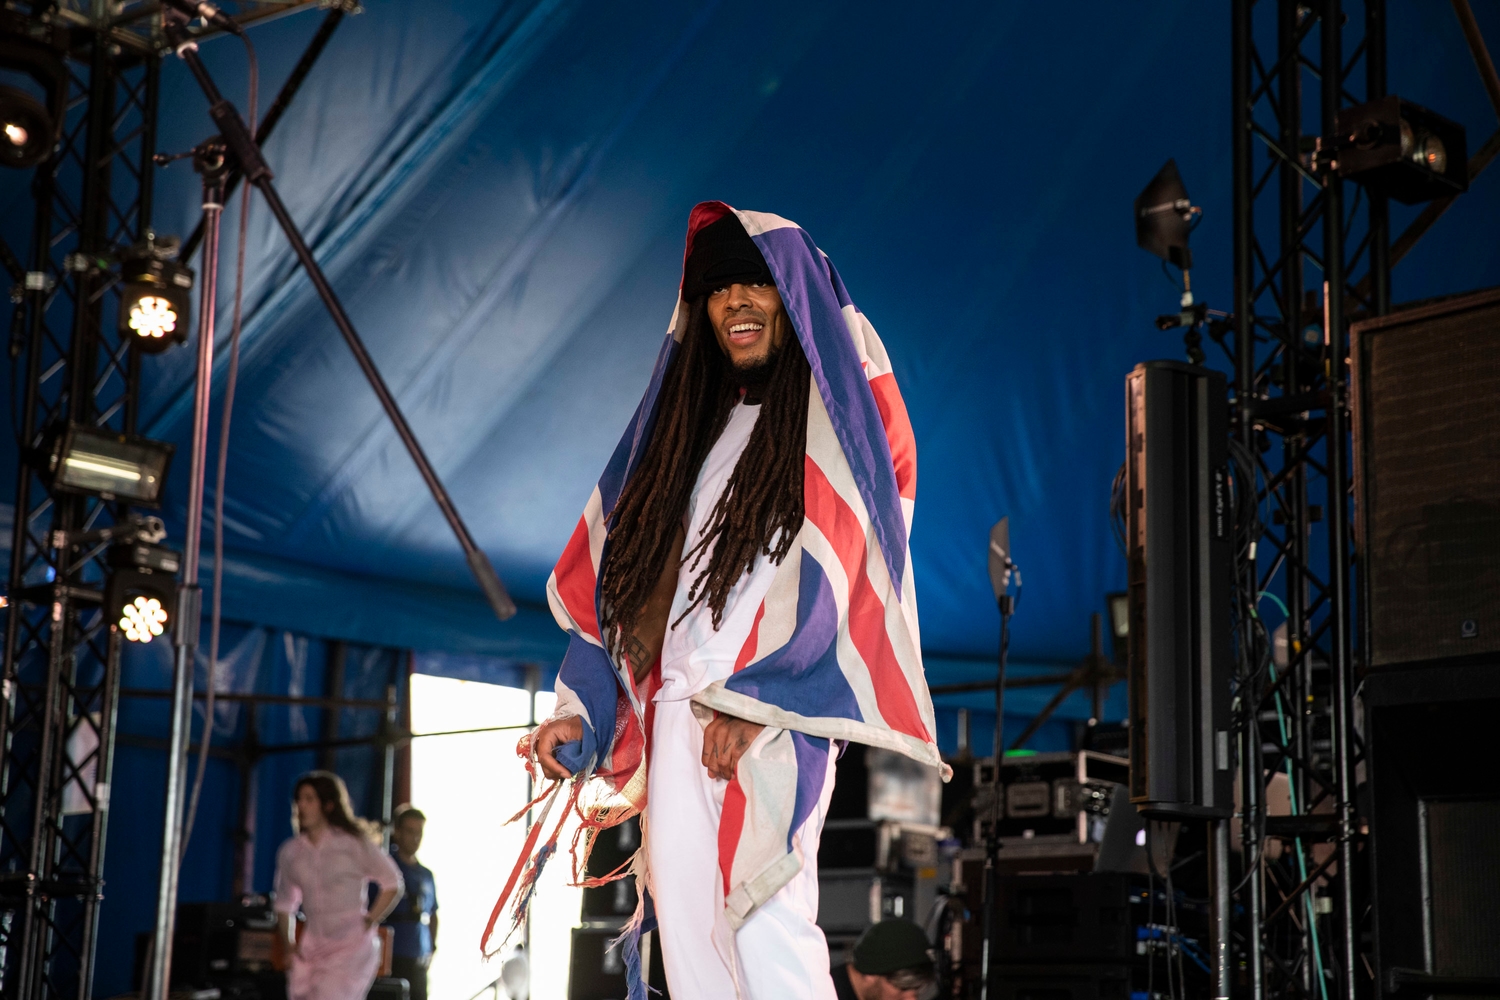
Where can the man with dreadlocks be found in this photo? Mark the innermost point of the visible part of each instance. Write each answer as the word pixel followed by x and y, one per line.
pixel 739 598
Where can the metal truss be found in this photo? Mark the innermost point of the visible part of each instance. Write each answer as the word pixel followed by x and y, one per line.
pixel 1301 930
pixel 62 656
pixel 135 25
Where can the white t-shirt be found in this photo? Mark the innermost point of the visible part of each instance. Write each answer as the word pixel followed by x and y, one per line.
pixel 694 655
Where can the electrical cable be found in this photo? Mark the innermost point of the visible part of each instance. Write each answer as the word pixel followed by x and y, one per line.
pixel 216 612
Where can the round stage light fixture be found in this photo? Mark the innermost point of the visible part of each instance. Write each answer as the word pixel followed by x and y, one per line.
pixel 1399 149
pixel 139 596
pixel 155 299
pixel 26 129
pixel 143 619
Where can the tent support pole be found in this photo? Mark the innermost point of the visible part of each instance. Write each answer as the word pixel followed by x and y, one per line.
pixel 245 154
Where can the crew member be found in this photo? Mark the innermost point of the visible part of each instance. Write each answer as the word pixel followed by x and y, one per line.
pixel 891 961
pixel 739 597
pixel 415 918
pixel 325 869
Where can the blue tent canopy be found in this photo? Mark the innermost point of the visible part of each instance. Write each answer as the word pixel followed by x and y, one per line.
pixel 499 193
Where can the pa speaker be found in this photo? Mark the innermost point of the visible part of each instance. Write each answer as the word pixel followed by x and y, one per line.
pixel 1427 472
pixel 1434 809
pixel 1178 536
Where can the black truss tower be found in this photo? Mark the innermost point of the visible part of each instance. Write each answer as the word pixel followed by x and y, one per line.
pixel 62 656
pixel 1302 924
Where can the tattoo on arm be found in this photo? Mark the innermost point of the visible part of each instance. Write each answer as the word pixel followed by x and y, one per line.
pixel 636 650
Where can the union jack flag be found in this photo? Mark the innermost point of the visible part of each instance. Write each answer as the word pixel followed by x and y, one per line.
pixel 834 653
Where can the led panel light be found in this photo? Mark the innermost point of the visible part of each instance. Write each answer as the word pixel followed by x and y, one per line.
pixel 109 465
pixel 155 303
pixel 139 597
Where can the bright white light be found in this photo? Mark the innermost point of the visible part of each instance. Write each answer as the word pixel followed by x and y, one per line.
pixel 16 134
pixel 153 316
pixel 102 465
pixel 468 786
pixel 1140 838
pixel 143 619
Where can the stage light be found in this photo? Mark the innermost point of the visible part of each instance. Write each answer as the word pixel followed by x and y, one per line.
pixel 139 597
pixel 31 118
pixel 1399 149
pixel 27 128
pixel 108 465
pixel 155 297
pixel 143 619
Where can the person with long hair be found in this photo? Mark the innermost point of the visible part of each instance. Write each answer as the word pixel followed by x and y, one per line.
pixel 325 870
pixel 739 597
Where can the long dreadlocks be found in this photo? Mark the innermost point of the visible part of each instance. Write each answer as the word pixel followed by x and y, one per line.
pixel 761 508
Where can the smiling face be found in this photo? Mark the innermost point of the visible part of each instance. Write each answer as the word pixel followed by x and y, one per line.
pixel 749 323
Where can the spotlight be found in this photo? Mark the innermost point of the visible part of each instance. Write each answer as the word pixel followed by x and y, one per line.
pixel 105 464
pixel 1399 149
pixel 26 131
pixel 155 296
pixel 29 128
pixel 139 597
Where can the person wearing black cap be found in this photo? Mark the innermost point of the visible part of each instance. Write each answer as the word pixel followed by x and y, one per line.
pixel 737 603
pixel 892 961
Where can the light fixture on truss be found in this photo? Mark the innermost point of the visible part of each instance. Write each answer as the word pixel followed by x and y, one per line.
pixel 106 464
pixel 139 597
pixel 155 295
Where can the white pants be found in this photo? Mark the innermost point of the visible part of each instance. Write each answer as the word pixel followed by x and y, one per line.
pixel 782 954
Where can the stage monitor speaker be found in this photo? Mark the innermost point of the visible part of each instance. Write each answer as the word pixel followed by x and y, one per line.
pixel 1427 467
pixel 1178 532
pixel 1434 802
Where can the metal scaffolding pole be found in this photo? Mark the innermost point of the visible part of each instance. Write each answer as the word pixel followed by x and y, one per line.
pixel 62 656
pixel 1299 905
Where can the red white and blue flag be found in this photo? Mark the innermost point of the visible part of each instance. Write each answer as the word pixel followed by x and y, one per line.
pixel 834 653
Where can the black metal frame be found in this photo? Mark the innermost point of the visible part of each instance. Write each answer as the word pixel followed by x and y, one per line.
pixel 1304 912
pixel 62 656
pixel 61 660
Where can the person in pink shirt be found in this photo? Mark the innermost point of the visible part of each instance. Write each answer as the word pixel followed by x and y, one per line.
pixel 326 870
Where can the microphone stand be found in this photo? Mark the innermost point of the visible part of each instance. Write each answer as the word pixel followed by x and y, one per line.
pixel 987 975
pixel 235 147
pixel 209 161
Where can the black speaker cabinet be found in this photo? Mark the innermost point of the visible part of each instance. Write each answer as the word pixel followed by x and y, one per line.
pixel 1434 801
pixel 596 970
pixel 1178 536
pixel 1065 982
pixel 1427 467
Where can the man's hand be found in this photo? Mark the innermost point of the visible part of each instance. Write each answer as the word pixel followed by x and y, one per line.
pixel 724 742
pixel 547 738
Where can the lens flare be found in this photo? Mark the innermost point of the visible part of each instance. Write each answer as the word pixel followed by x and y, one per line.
pixel 153 316
pixel 143 619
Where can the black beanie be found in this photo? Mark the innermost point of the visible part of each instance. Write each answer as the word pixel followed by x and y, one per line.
pixel 892 946
pixel 723 254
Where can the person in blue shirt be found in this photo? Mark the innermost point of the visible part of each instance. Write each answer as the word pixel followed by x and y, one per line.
pixel 415 918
